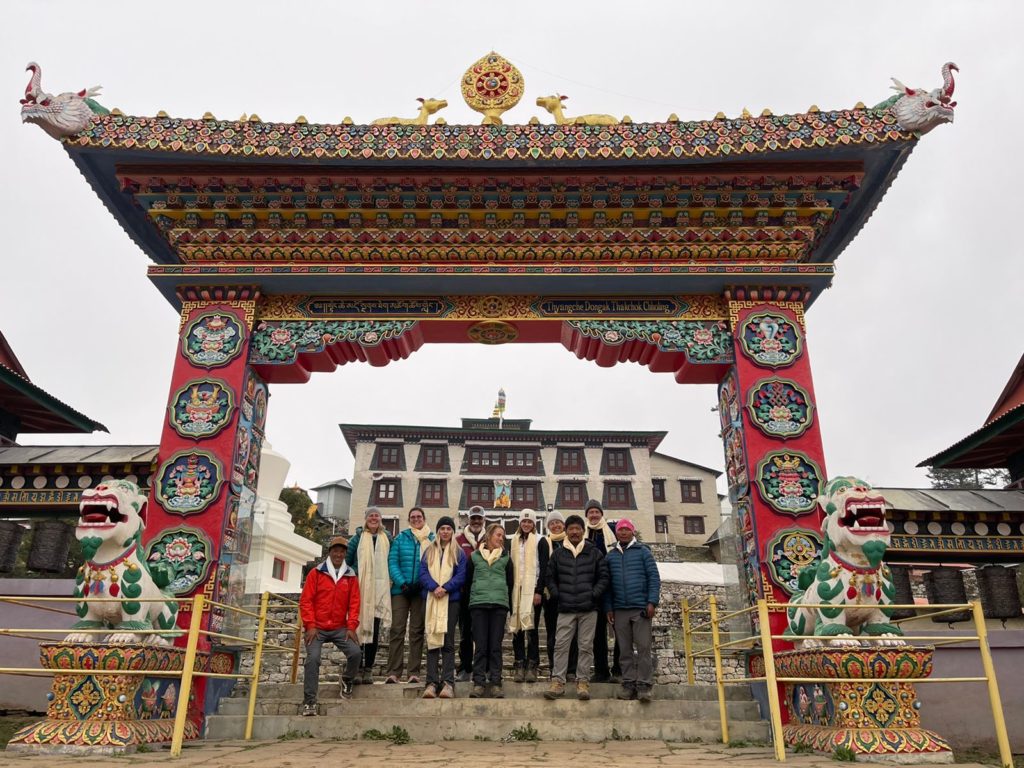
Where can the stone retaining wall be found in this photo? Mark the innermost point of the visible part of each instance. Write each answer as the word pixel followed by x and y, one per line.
pixel 670 657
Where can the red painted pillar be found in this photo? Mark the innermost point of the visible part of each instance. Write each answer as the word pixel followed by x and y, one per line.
pixel 204 489
pixel 774 460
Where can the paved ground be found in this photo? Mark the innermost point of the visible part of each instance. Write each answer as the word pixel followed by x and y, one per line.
pixel 310 753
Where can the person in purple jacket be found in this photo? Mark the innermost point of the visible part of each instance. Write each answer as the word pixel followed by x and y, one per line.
pixel 442 574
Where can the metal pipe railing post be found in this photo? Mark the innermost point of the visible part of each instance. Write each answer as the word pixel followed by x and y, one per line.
pixel 722 715
pixel 257 659
pixel 774 705
pixel 188 667
pixel 688 642
pixel 298 645
pixel 1002 739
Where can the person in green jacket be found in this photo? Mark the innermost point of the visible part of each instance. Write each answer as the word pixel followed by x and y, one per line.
pixel 490 572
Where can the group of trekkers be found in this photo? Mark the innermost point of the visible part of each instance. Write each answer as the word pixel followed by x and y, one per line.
pixel 582 576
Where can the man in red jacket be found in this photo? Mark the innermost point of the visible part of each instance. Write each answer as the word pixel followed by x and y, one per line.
pixel 329 607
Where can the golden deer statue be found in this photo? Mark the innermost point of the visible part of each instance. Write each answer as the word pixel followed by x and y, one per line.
pixel 553 104
pixel 427 108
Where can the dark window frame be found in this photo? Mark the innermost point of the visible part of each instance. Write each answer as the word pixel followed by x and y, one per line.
pixel 423 465
pixel 658 490
pixel 688 524
pixel 690 492
pixel 627 469
pixel 375 492
pixel 377 461
pixel 502 461
pixel 661 523
pixel 561 502
pixel 440 500
pixel 571 468
pixel 628 503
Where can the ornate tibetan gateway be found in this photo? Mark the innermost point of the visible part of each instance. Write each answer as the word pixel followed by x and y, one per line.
pixel 212 339
pixel 789 481
pixel 770 340
pixel 185 552
pixel 189 482
pixel 202 408
pixel 780 408
pixel 788 553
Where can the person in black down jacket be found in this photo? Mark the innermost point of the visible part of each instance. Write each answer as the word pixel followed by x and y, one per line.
pixel 630 604
pixel 577 579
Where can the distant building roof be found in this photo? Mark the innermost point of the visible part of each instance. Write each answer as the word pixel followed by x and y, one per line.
pixel 715 472
pixel 343 483
pixel 953 500
pixel 994 442
pixel 77 454
pixel 28 409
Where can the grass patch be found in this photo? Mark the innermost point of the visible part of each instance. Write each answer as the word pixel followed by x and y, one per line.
pixel 523 733
pixel 293 734
pixel 844 755
pixel 985 758
pixel 397 735
pixel 478 737
pixel 11 724
pixel 802 748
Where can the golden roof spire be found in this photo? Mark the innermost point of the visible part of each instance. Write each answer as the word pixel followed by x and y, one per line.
pixel 492 85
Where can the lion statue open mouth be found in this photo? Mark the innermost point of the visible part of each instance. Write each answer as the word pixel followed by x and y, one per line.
pixel 111 518
pixel 850 579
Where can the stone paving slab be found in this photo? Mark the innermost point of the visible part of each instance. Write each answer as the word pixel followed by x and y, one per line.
pixel 316 753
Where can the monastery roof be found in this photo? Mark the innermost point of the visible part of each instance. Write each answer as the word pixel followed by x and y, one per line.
pixel 992 444
pixel 78 454
pixel 353 432
pixel 37 411
pixel 715 472
pixel 953 500
pixel 342 483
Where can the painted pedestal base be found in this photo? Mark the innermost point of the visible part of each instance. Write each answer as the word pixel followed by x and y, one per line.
pixel 107 713
pixel 876 720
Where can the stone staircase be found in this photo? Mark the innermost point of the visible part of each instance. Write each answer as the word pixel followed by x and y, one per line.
pixel 678 713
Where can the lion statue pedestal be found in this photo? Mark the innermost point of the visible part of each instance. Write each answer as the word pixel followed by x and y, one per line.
pixel 107 714
pixel 875 719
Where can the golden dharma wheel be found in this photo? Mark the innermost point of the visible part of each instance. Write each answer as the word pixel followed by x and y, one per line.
pixel 492 85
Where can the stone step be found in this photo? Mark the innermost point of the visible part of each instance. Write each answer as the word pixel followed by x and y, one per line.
pixel 430 727
pixel 465 707
pixel 329 691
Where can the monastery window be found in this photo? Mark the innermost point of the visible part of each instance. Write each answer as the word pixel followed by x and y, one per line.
pixel 386 493
pixel 570 461
pixel 616 461
pixel 479 493
pixel 433 493
pixel 571 496
pixel 509 461
pixel 520 459
pixel 388 456
pixel 391 525
pixel 484 459
pixel 279 570
pixel 693 525
pixel 690 490
pixel 525 495
pixel 658 490
pixel 619 496
pixel 433 458
pixel 661 523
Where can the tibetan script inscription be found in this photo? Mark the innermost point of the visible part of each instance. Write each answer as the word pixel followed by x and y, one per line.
pixel 958 543
pixel 40 497
pixel 572 307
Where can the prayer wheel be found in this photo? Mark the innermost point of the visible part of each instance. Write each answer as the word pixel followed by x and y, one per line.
pixel 946 586
pixel 11 534
pixel 1000 598
pixel 51 540
pixel 904 593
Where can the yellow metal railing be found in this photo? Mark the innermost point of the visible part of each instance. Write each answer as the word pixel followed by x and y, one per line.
pixel 764 642
pixel 188 672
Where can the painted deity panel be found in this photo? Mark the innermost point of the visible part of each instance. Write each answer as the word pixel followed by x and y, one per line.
pixel 789 482
pixel 780 408
pixel 201 408
pixel 187 552
pixel 771 340
pixel 212 339
pixel 188 482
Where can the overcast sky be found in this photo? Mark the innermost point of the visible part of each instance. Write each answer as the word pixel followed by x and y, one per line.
pixel 909 349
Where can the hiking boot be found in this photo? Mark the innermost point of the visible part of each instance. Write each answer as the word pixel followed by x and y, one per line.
pixel 644 694
pixel 583 690
pixel 447 692
pixel 309 710
pixel 615 677
pixel 519 676
pixel 555 691
pixel 477 692
pixel 430 692
pixel 367 677
pixel 345 689
pixel 626 693
pixel 464 676
pixel 497 692
pixel 531 673
pixel 391 680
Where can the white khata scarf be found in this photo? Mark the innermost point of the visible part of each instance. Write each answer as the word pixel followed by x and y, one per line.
pixel 422 536
pixel 491 556
pixel 473 538
pixel 609 535
pixel 440 566
pixel 576 550
pixel 374 584
pixel 525 574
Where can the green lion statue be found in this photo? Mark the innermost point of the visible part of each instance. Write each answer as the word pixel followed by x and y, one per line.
pixel 850 578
